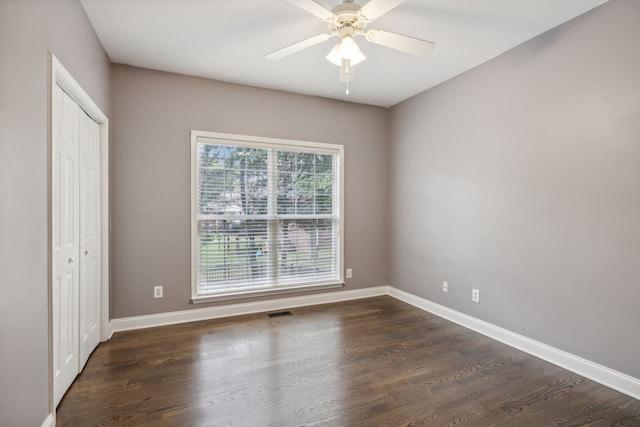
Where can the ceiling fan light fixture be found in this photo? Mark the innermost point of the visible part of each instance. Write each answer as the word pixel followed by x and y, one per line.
pixel 346 48
pixel 334 56
pixel 357 58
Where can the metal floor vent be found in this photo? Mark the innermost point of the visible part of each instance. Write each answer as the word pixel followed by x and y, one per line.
pixel 280 314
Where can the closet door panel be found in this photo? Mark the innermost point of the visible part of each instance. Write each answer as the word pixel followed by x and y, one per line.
pixel 65 241
pixel 90 229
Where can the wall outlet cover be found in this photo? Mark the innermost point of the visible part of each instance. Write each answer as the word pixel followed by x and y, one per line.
pixel 157 291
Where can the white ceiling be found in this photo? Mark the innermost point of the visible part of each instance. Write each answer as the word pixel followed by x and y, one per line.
pixel 227 40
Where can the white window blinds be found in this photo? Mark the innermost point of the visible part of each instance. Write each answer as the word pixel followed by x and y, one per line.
pixel 266 215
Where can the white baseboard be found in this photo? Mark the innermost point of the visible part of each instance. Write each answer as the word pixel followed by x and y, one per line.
pixel 50 421
pixel 175 317
pixel 598 373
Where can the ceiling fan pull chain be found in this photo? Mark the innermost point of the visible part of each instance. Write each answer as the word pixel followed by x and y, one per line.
pixel 346 71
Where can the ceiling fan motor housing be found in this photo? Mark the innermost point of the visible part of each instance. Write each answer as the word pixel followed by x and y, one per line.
pixel 347 20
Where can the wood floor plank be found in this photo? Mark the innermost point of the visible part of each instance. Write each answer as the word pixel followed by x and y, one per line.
pixel 372 362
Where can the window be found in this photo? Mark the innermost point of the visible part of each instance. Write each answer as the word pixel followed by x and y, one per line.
pixel 266 216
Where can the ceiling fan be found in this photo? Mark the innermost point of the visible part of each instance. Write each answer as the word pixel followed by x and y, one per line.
pixel 346 21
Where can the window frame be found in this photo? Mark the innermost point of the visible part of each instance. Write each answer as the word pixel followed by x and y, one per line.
pixel 197 137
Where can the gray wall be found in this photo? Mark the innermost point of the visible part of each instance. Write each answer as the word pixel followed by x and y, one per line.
pixel 154 113
pixel 28 30
pixel 521 178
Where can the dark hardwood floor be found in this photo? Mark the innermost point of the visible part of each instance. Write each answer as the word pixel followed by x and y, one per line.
pixel 372 362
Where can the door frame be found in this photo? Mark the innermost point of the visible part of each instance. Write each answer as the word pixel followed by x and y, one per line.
pixel 58 75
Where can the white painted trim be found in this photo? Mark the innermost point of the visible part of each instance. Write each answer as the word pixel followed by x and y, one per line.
pixel 259 141
pixel 193 215
pixel 65 80
pixel 270 291
pixel 598 373
pixel 50 421
pixel 106 233
pixel 175 317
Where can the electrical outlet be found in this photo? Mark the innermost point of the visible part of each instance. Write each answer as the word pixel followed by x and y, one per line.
pixel 445 286
pixel 475 295
pixel 349 273
pixel 157 291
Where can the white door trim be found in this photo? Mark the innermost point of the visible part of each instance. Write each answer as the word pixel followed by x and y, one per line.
pixel 58 75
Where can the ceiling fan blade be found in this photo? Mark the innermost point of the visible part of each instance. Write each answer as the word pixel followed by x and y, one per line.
pixel 313 8
pixel 376 8
pixel 399 42
pixel 296 47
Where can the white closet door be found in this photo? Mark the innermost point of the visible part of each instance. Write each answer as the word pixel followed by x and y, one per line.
pixel 90 226
pixel 65 241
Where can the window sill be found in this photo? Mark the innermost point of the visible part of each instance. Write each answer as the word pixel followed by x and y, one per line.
pixel 275 290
